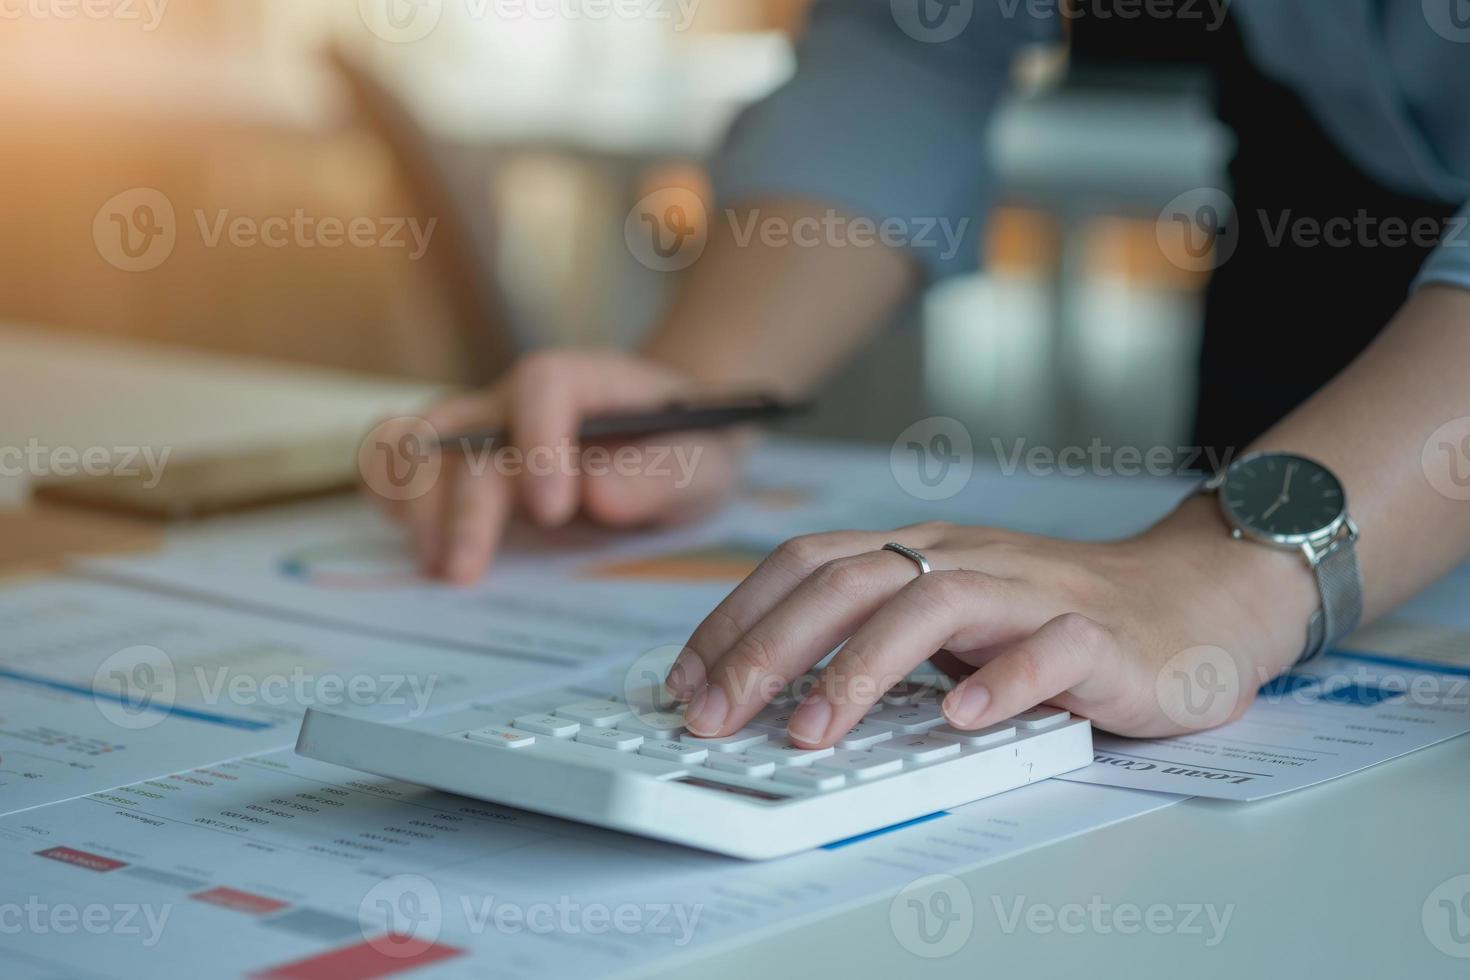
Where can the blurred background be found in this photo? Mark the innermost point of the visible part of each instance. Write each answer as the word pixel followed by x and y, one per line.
pixel 529 138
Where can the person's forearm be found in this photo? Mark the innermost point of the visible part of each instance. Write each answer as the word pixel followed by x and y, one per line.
pixel 1371 426
pixel 756 315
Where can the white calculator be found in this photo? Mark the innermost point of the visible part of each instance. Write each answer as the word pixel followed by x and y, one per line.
pixel 596 754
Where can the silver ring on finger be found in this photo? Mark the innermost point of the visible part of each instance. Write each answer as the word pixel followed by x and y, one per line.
pixel 914 556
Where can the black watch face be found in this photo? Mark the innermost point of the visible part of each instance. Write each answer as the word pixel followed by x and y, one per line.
pixel 1282 496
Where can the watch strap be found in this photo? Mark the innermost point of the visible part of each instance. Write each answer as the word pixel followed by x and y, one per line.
pixel 1340 582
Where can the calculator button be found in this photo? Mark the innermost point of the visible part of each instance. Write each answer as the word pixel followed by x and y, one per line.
pixel 1038 718
pixel 735 742
pixel 654 724
pixel 505 737
pixel 599 713
pixel 740 763
pixel 582 754
pixel 920 749
pixel 815 779
pixel 674 751
pixel 907 720
pixel 912 694
pixel 783 753
pixel 864 735
pixel 993 735
pixel 610 738
pixel 773 720
pixel 758 788
pixel 547 725
pixel 861 765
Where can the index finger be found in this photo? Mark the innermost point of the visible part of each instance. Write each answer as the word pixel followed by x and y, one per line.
pixel 773 580
pixel 928 615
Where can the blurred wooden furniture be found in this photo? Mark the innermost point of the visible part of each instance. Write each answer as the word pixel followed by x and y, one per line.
pixel 67 394
pixel 461 251
pixel 223 138
pixel 39 540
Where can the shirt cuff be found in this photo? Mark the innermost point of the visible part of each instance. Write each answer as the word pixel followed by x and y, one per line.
pixel 1450 263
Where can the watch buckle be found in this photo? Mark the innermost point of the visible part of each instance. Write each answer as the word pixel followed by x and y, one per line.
pixel 1345 533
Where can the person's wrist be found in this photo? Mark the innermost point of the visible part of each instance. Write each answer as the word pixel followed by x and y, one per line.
pixel 1266 595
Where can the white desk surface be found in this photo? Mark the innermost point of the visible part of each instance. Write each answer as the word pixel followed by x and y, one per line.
pixel 1327 882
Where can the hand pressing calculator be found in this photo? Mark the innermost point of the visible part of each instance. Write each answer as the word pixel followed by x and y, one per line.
pixel 601 755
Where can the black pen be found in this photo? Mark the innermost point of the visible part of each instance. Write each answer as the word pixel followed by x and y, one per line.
pixel 692 416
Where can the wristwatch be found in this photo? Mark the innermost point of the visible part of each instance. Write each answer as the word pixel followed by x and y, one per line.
pixel 1296 504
